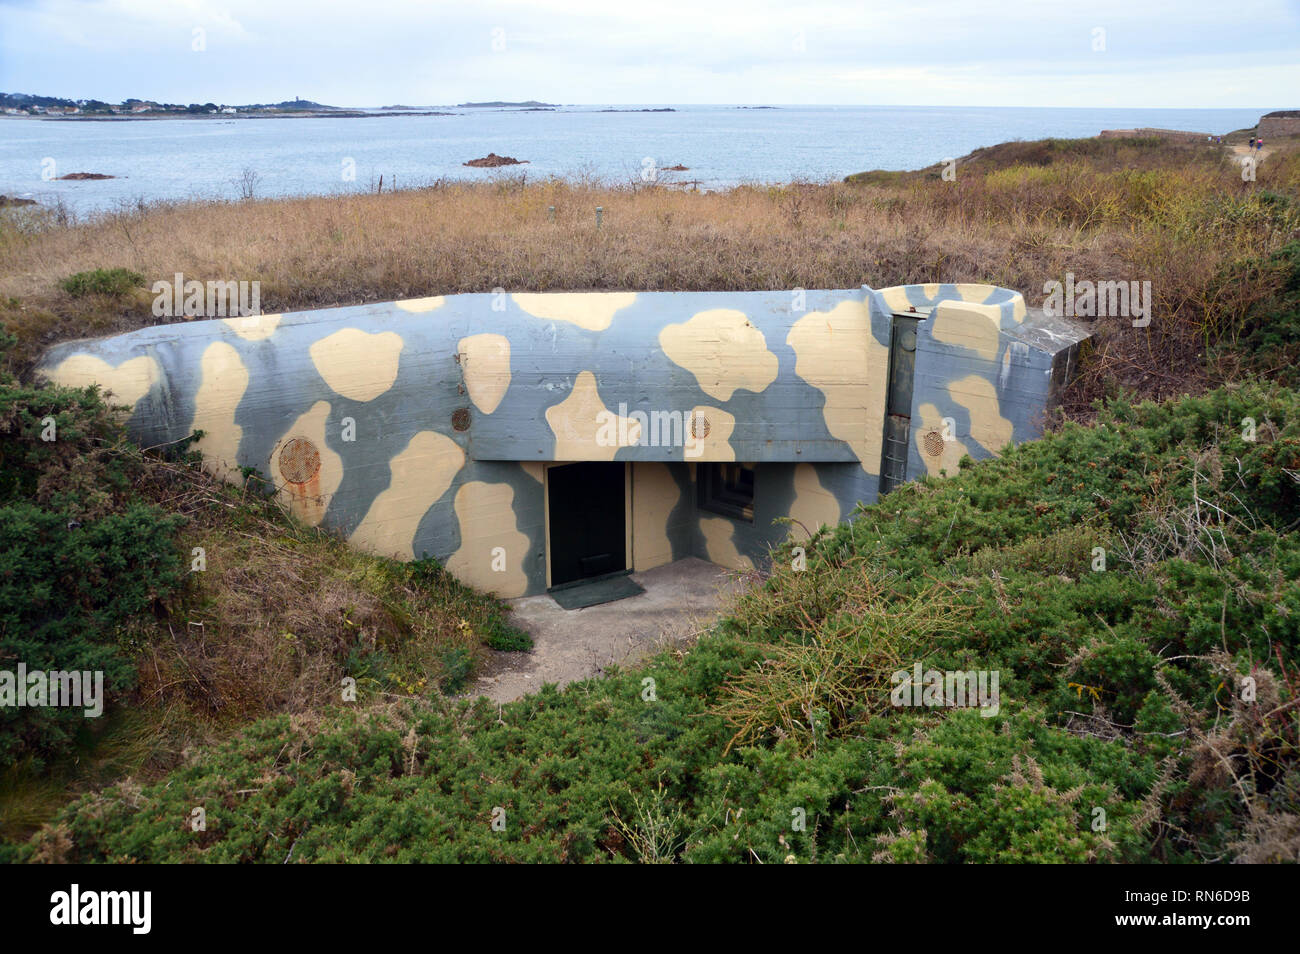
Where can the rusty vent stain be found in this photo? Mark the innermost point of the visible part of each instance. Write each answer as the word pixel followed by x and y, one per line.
pixel 299 460
pixel 933 444
pixel 699 427
pixel 460 419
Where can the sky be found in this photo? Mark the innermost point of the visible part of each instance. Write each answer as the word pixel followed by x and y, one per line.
pixel 1102 53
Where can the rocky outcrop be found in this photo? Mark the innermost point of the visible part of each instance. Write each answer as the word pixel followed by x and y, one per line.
pixel 492 160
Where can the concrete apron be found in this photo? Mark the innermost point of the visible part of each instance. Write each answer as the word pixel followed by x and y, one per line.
pixel 680 599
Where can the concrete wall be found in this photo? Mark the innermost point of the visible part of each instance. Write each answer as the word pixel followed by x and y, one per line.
pixel 1177 135
pixel 423 427
pixel 1275 126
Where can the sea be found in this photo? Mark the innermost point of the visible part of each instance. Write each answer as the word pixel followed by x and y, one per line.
pixel 223 157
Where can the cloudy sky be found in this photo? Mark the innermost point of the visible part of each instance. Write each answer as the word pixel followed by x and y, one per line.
pixel 1193 53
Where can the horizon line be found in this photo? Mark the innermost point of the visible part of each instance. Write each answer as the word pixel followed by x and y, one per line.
pixel 663 103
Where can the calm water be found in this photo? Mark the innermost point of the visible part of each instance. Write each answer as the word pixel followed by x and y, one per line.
pixel 722 146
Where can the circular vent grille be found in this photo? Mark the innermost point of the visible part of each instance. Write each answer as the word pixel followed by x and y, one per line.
pixel 699 426
pixel 299 460
pixel 933 444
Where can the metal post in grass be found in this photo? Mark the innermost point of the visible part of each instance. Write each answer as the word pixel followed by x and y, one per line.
pixel 600 213
pixel 550 213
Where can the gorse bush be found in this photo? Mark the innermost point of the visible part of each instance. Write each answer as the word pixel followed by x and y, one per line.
pixel 81 552
pixel 102 281
pixel 1147 702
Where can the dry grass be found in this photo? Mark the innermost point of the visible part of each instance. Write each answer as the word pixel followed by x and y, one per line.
pixel 1017 215
pixel 281 612
pixel 825 672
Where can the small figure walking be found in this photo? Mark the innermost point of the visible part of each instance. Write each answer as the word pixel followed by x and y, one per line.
pixel 1259 145
pixel 1252 142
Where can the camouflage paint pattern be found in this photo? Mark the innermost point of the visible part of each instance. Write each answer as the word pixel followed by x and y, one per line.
pixel 426 427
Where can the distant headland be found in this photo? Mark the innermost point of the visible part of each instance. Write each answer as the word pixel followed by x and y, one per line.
pixel 55 107
pixel 501 104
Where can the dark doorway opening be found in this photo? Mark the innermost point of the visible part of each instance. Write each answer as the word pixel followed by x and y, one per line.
pixel 587 520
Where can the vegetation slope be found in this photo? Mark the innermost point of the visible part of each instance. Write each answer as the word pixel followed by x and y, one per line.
pixel 1147 707
pixel 1123 733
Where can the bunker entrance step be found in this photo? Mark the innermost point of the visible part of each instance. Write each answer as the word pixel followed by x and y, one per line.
pixel 592 592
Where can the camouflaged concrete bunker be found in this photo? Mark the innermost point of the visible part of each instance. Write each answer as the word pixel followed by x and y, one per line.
pixel 532 440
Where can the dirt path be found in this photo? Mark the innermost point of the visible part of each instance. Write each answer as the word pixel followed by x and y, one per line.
pixel 1245 150
pixel 679 601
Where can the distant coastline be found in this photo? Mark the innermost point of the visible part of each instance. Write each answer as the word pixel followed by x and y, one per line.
pixel 179 162
pixel 501 104
pixel 304 114
pixel 30 106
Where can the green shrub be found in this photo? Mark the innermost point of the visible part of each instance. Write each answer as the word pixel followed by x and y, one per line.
pixel 102 281
pixel 457 664
pixel 500 635
pixel 80 553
